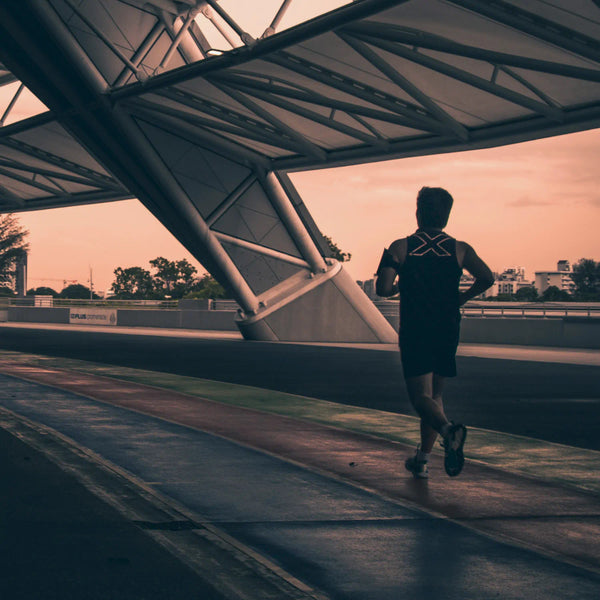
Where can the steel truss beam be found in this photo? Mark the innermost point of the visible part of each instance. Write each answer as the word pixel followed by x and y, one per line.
pixel 528 22
pixel 551 112
pixel 97 31
pixel 231 199
pixel 320 25
pixel 417 115
pixel 269 86
pixel 220 127
pixel 243 35
pixel 303 143
pixel 199 134
pixel 488 136
pixel 140 53
pixel 31 182
pixel 263 250
pixel 416 38
pixel 52 175
pixel 271 98
pixel 66 201
pixel 11 104
pixel 224 114
pixel 454 127
pixel 93 177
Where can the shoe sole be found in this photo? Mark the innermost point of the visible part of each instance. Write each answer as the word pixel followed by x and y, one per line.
pixel 454 458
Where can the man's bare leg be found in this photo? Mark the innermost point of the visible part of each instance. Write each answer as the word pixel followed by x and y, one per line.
pixel 428 433
pixel 425 394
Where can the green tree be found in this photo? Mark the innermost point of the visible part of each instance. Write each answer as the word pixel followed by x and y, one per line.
pixel 43 291
pixel 554 294
pixel 208 287
pixel 336 252
pixel 13 246
pixel 76 291
pixel 586 277
pixel 527 294
pixel 174 278
pixel 133 283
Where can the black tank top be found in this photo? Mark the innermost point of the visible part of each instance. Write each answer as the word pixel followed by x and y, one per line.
pixel 429 279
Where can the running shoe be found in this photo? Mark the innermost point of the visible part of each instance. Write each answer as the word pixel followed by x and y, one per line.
pixel 453 449
pixel 418 468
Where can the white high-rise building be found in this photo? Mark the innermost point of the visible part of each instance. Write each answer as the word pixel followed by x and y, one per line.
pixel 561 278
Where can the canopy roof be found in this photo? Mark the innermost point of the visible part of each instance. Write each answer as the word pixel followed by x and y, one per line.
pixel 371 80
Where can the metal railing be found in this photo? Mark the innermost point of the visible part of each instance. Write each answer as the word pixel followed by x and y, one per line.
pixel 67 303
pixel 543 311
pixel 388 308
pixel 529 310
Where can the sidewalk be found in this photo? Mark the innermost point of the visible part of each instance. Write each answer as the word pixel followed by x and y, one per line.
pixel 526 353
pixel 538 516
pixel 59 541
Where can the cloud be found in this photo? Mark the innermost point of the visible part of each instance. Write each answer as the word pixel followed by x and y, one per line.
pixel 526 202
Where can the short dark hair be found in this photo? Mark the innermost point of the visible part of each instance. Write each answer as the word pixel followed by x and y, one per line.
pixel 433 207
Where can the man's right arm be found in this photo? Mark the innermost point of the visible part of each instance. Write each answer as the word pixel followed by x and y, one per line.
pixel 388 277
pixel 484 278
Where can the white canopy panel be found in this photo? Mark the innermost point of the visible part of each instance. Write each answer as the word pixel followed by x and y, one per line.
pixel 372 80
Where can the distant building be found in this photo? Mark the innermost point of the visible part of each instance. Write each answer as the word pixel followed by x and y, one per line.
pixel 510 281
pixel 561 278
pixel 21 275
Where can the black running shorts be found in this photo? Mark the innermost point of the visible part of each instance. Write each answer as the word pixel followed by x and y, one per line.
pixel 426 351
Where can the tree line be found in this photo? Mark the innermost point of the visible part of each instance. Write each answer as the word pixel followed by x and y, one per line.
pixel 166 279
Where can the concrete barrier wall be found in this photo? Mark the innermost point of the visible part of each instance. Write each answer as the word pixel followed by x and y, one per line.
pixel 178 319
pixel 38 314
pixel 172 319
pixel 568 332
pixel 149 318
pixel 519 332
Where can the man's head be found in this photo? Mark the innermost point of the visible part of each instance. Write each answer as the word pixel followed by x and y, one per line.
pixel 433 207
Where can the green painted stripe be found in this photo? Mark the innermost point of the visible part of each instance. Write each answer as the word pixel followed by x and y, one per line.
pixel 557 463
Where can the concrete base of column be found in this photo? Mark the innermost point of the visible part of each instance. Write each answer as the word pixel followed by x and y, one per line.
pixel 328 307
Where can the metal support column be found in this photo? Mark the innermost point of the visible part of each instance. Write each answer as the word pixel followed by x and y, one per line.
pixel 293 224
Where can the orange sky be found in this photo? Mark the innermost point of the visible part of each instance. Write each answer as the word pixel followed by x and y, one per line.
pixel 528 204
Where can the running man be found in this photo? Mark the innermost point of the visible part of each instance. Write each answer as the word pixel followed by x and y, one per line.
pixel 425 268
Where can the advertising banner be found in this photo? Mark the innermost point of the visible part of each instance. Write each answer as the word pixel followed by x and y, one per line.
pixel 93 316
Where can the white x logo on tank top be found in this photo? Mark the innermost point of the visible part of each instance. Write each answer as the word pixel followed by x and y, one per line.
pixel 430 244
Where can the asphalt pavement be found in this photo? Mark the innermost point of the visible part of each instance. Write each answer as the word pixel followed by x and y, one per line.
pixel 555 402
pixel 251 504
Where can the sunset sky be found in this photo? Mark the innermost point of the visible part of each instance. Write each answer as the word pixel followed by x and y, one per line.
pixel 527 205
